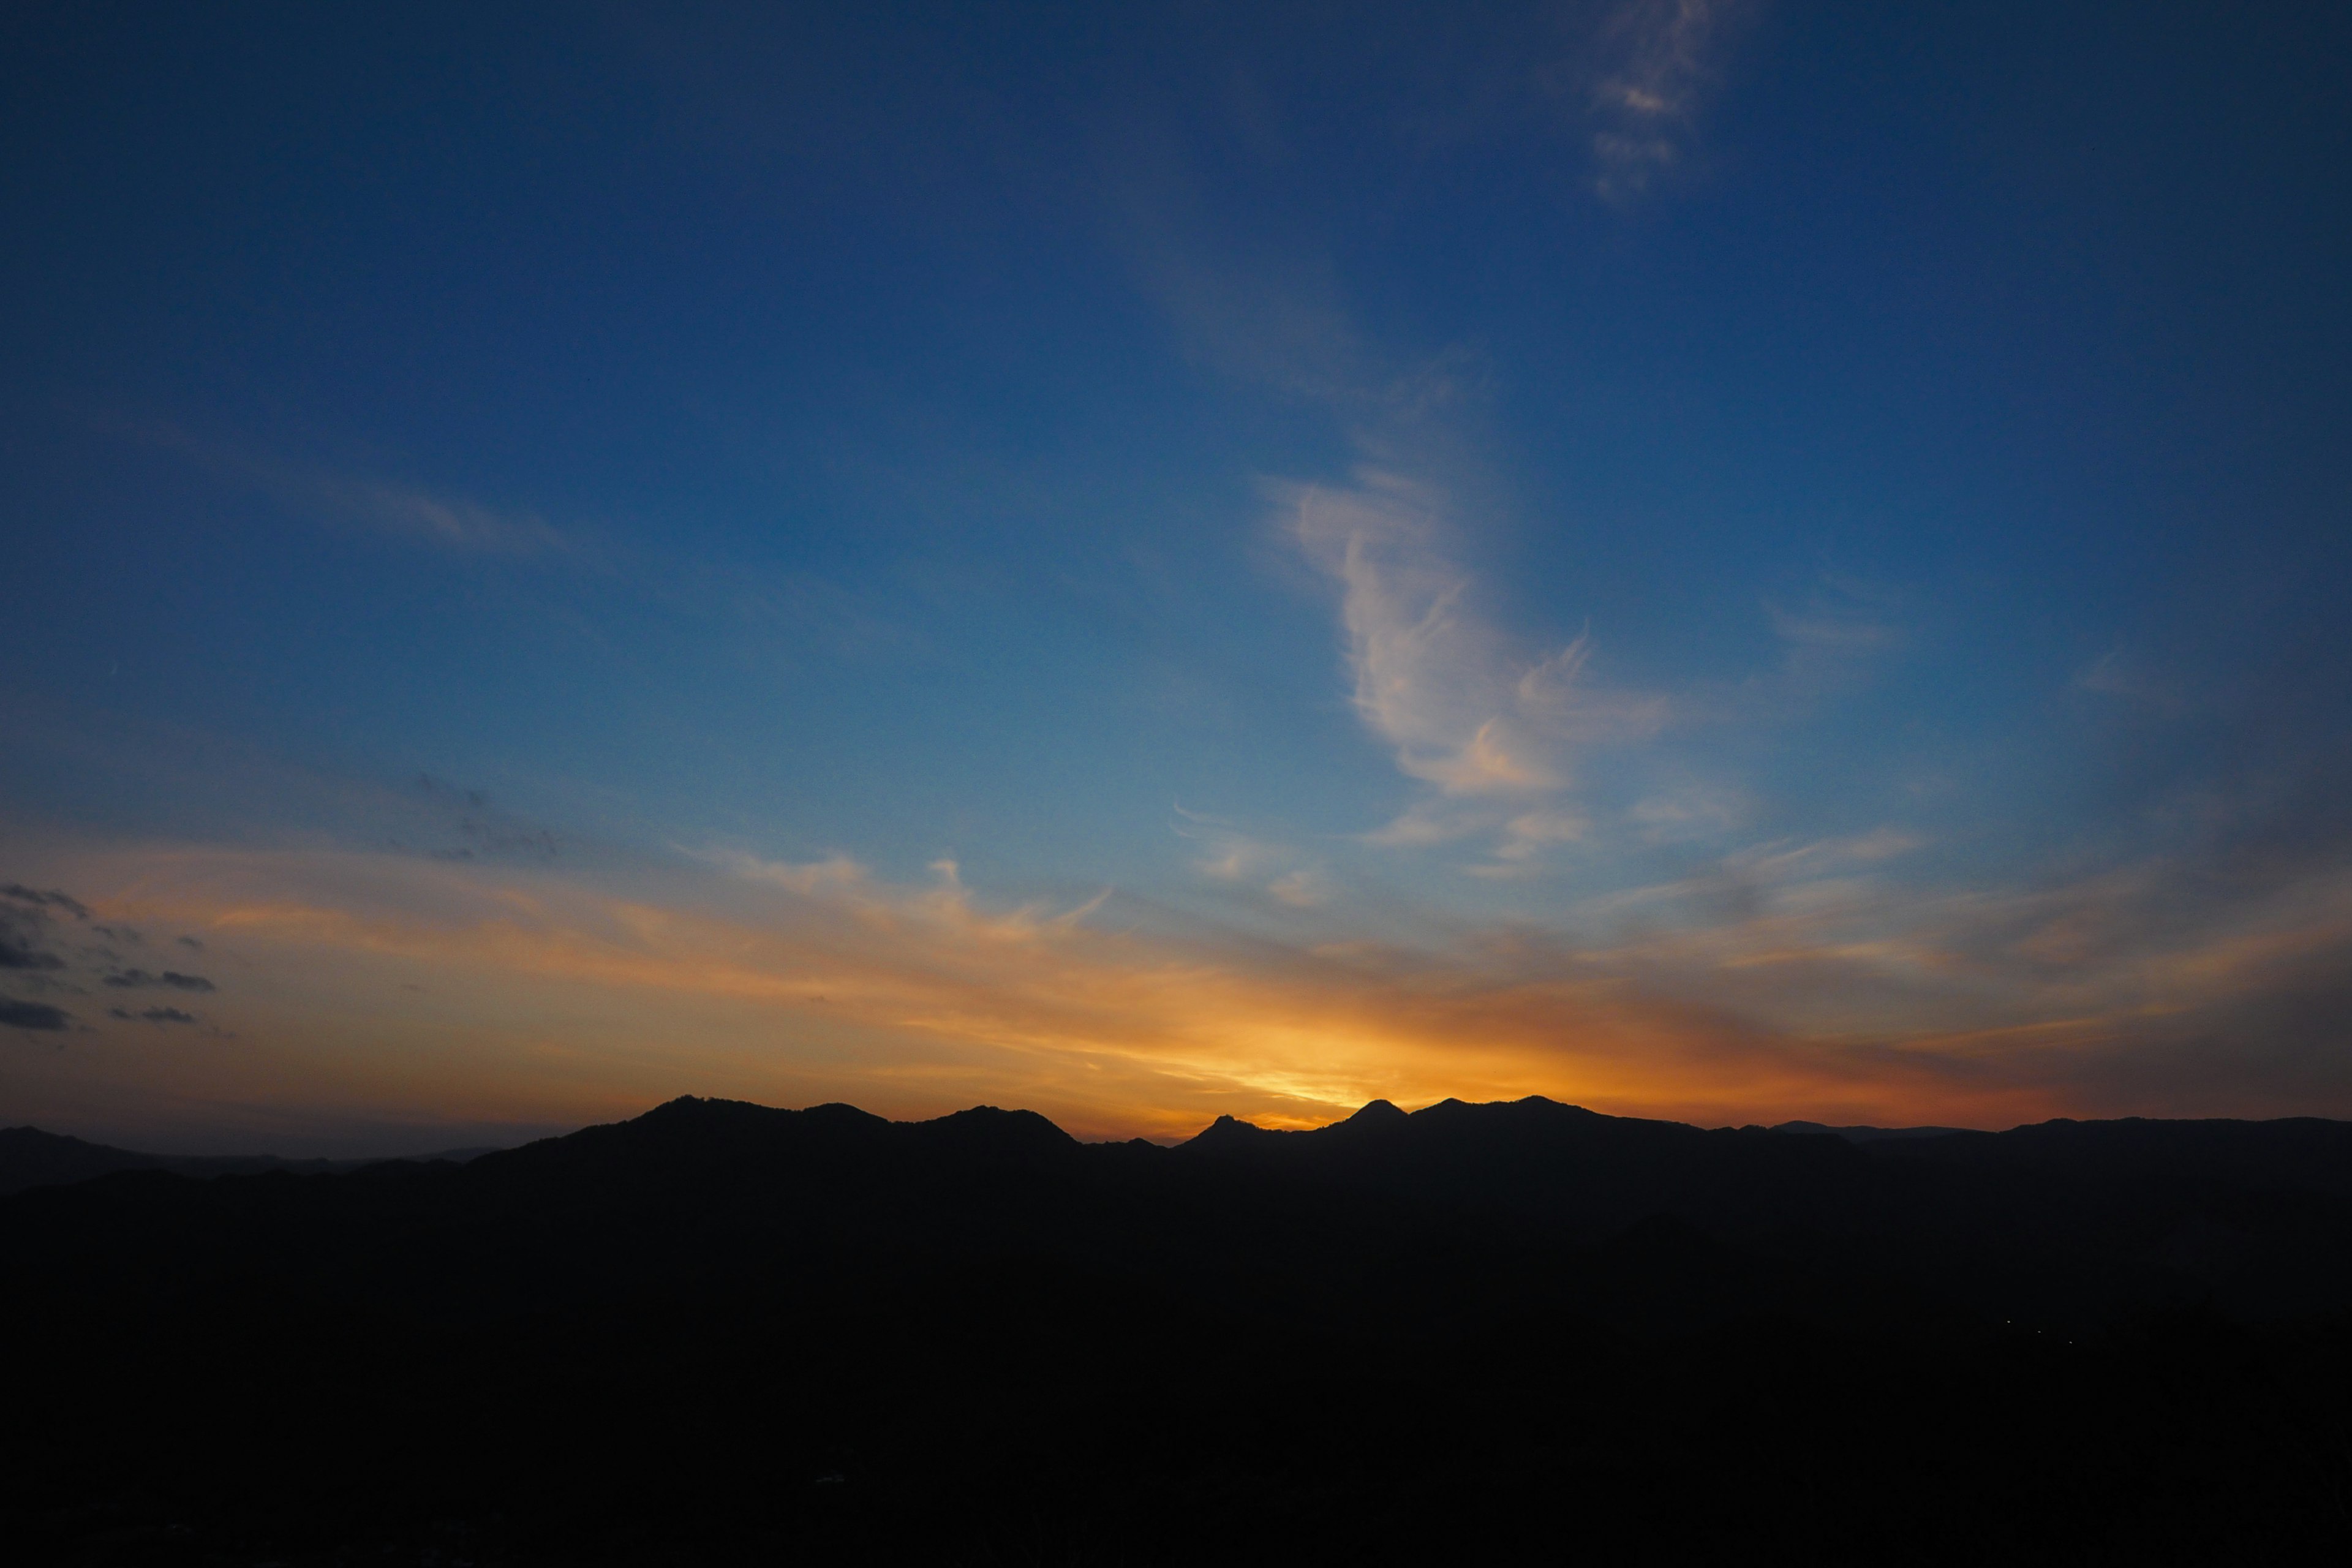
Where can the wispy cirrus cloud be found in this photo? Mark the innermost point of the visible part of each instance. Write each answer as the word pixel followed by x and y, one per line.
pixel 1642 75
pixel 451 523
pixel 1301 889
pixel 460 525
pixel 1833 637
pixel 1497 732
pixel 1502 729
pixel 1226 854
pixel 1275 870
pixel 787 612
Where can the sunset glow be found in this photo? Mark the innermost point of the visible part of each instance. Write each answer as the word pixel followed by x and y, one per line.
pixel 1160 572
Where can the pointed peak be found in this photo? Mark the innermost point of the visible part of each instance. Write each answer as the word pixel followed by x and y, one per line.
pixel 1226 1131
pixel 694 1110
pixel 1377 1113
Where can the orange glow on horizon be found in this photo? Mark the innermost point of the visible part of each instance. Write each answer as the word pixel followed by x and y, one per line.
pixel 455 993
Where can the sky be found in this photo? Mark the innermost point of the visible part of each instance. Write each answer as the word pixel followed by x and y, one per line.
pixel 1710 559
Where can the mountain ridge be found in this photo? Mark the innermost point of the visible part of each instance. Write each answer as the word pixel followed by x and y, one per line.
pixel 2065 1220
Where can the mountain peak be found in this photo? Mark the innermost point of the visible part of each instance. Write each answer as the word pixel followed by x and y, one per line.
pixel 1226 1132
pixel 992 1128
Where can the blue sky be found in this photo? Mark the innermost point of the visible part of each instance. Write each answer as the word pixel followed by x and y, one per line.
pixel 1712 559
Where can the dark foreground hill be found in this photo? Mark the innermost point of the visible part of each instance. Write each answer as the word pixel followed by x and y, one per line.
pixel 1505 1333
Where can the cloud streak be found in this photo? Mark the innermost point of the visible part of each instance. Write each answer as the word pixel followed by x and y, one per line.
pixel 51 900
pixel 458 524
pixel 137 979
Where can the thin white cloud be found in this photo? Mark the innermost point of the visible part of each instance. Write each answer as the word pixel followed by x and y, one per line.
pixel 455 523
pixel 781 614
pixel 1783 861
pixel 1531 832
pixel 1301 889
pixel 1644 77
pixel 1227 854
pixel 1431 676
pixel 451 522
pixel 1686 812
pixel 2108 675
pixel 947 905
pixel 1426 822
pixel 2122 676
pixel 1839 636
pixel 1829 631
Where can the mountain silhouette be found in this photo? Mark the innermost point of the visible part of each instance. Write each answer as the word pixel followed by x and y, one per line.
pixel 1864 1135
pixel 720 1329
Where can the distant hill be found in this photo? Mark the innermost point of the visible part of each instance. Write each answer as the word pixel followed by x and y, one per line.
pixel 32 1158
pixel 721 1331
pixel 1866 1134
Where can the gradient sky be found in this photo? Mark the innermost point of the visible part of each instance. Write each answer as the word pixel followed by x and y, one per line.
pixel 1715 559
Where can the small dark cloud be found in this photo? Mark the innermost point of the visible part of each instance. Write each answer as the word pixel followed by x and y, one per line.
pixel 120 933
pixel 22 932
pixel 151 1016
pixel 442 790
pixel 189 942
pixel 484 831
pixel 17 954
pixel 18 1014
pixel 135 979
pixel 52 899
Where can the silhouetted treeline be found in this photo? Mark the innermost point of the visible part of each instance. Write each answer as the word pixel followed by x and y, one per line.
pixel 1491 1333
